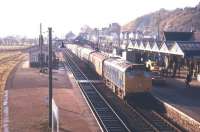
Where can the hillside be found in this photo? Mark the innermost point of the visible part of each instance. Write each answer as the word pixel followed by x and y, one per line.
pixel 186 19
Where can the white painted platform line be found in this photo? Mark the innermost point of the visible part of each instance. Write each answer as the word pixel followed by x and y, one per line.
pixel 25 65
pixel 90 81
pixel 5 112
pixel 55 116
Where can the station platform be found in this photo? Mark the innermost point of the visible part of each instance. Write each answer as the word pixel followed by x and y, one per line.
pixel 175 93
pixel 27 102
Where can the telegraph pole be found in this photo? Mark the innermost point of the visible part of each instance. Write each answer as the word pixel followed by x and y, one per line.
pixel 158 25
pixel 119 39
pixel 41 45
pixel 97 32
pixel 50 77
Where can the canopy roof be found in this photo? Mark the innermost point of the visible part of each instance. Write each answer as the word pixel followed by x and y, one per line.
pixel 183 48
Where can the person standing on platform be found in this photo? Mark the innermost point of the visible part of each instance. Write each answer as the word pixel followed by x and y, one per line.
pixel 188 80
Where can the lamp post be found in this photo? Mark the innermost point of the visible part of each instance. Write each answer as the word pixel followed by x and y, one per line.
pixel 50 77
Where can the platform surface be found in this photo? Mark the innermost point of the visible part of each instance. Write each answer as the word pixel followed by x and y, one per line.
pixel 28 102
pixel 178 95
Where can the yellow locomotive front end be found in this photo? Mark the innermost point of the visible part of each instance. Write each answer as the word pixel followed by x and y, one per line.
pixel 137 79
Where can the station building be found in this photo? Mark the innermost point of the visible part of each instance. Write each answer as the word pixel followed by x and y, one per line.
pixel 36 59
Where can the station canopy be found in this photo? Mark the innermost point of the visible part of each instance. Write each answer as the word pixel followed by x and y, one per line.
pixel 180 48
pixel 130 45
pixel 190 49
pixel 155 47
pixel 141 45
pixel 164 48
pixel 136 45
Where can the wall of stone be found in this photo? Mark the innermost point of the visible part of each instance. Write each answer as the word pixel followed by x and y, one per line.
pixel 181 118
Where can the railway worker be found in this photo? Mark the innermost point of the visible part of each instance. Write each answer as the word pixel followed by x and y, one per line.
pixel 188 80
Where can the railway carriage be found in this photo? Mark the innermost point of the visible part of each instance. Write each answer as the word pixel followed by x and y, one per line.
pixel 75 49
pixel 78 51
pixel 82 52
pixel 96 60
pixel 85 54
pixel 72 48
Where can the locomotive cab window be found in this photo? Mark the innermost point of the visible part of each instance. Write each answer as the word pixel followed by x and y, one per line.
pixel 135 69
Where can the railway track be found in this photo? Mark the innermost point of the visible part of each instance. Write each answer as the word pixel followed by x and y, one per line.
pixel 144 120
pixel 149 112
pixel 106 116
pixel 7 64
pixel 9 58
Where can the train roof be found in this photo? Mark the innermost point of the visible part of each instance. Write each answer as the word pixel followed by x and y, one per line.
pixel 87 50
pixel 100 55
pixel 119 63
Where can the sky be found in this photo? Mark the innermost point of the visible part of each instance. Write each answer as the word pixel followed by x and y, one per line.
pixel 23 17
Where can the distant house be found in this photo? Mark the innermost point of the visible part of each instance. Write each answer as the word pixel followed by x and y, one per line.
pixel 114 27
pixel 35 57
